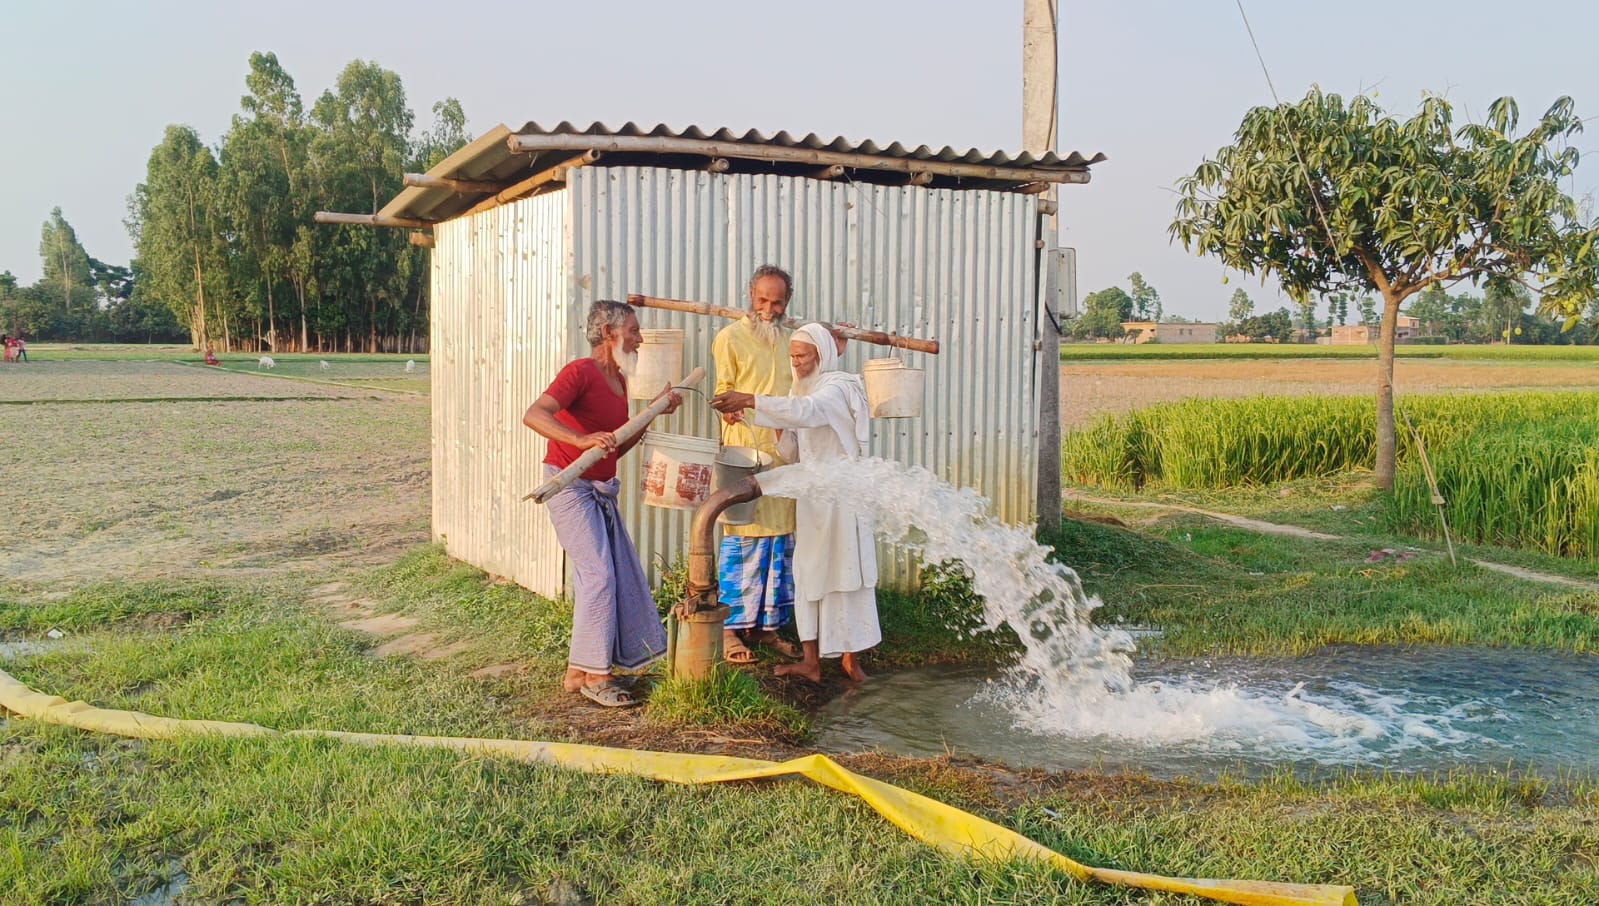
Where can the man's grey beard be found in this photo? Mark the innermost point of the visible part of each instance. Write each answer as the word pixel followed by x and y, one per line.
pixel 626 361
pixel 802 386
pixel 767 332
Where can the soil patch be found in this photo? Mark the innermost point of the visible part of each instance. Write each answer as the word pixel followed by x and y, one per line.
pixel 1091 389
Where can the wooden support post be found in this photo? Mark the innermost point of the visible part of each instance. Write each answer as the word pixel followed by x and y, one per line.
pixel 370 220
pixel 463 186
pixel 421 239
pixel 881 338
pixel 718 165
pixel 919 178
pixel 833 172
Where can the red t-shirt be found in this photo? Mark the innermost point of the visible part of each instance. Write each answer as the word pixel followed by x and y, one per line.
pixel 588 404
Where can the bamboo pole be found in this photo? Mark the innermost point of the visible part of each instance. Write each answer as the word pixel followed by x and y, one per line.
pixel 832 171
pixel 651 144
pixel 879 337
pixel 718 165
pixel 371 220
pixel 631 427
pixel 422 240
pixel 556 174
pixel 464 186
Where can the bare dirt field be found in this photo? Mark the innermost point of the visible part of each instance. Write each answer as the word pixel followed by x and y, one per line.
pixel 1091 389
pixel 208 472
pixel 146 469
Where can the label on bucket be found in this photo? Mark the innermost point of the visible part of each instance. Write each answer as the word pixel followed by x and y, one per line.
pixel 676 474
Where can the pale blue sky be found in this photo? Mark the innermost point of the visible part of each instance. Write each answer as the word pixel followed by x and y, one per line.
pixel 86 89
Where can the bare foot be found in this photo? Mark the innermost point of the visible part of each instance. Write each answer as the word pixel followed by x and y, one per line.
pixel 852 668
pixel 576 679
pixel 803 670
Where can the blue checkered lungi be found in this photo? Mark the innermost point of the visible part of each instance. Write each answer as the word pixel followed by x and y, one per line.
pixel 756 578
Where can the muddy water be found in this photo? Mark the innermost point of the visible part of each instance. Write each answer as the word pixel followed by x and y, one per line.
pixel 1400 710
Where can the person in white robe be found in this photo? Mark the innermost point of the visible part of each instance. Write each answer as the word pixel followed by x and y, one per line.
pixel 824 417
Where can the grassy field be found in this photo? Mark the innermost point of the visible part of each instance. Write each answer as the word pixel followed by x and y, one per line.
pixel 199 551
pixel 1235 351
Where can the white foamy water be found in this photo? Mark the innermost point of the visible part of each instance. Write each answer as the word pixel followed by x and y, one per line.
pixel 1075 678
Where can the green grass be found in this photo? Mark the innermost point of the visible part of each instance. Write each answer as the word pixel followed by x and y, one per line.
pixel 1178 351
pixel 1214 589
pixel 90 818
pixel 729 697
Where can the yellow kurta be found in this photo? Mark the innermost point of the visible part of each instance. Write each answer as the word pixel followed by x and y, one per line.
pixel 745 364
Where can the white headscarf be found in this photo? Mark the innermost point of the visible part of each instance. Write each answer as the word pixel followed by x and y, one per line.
pixel 854 430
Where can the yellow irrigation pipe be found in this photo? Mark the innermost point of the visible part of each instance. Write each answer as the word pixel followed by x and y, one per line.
pixel 945 827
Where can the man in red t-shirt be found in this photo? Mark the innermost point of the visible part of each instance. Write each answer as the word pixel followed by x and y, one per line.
pixel 614 620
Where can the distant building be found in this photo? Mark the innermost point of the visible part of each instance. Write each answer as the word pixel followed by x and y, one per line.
pixel 1176 332
pixel 1407 329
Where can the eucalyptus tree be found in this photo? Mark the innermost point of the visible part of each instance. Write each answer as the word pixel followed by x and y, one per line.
pixel 1327 196
pixel 264 188
pixel 66 264
pixel 1146 301
pixel 176 230
pixel 358 154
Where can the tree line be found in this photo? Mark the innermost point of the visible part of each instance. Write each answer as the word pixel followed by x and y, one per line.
pixel 226 254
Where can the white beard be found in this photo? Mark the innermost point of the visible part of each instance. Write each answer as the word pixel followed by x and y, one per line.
pixel 626 361
pixel 767 332
pixel 802 386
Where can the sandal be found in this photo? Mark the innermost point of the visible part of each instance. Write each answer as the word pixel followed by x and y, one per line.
pixel 734 651
pixel 609 694
pixel 780 645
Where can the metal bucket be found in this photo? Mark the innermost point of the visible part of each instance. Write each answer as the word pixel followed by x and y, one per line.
pixel 892 390
pixel 735 464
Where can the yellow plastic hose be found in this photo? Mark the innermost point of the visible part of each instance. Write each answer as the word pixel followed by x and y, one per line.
pixel 945 827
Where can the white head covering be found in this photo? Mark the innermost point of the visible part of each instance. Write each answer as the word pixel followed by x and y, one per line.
pixel 854 428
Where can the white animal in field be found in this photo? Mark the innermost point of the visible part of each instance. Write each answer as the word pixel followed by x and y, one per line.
pixel 265 362
pixel 410 366
pixel 325 365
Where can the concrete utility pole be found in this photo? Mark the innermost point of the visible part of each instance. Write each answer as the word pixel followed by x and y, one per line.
pixel 1040 109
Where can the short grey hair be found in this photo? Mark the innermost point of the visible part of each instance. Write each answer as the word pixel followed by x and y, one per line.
pixel 607 313
pixel 772 270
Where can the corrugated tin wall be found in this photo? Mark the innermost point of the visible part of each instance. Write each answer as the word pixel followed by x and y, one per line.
pixel 956 266
pixel 501 299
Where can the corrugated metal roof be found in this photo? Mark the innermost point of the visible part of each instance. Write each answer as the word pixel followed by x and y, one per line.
pixel 491 158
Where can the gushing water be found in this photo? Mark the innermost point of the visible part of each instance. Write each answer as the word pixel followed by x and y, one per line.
pixel 1074 663
pixel 1075 679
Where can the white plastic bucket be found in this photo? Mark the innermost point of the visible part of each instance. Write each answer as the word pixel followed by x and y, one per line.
pixel 660 362
pixel 892 390
pixel 678 470
pixel 735 464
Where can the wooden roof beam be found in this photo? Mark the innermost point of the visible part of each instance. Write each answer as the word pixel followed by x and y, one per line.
pixel 650 144
pixel 371 220
pixel 463 186
pixel 553 176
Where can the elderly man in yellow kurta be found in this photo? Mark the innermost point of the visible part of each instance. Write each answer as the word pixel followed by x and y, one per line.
pixel 756 561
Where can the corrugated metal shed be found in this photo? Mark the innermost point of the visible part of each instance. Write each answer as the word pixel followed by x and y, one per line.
pixel 512 286
pixel 492 159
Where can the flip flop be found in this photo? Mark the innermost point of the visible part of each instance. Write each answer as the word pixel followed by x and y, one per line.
pixel 734 651
pixel 610 694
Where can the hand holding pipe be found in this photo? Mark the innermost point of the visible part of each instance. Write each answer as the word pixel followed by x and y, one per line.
pixel 879 337
pixel 631 427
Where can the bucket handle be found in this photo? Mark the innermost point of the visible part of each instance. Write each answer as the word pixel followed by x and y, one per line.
pixel 722 444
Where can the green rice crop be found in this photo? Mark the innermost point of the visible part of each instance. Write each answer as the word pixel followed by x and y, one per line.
pixel 1518 469
pixel 1523 485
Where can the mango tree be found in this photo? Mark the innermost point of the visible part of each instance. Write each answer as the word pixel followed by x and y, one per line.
pixel 1328 197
